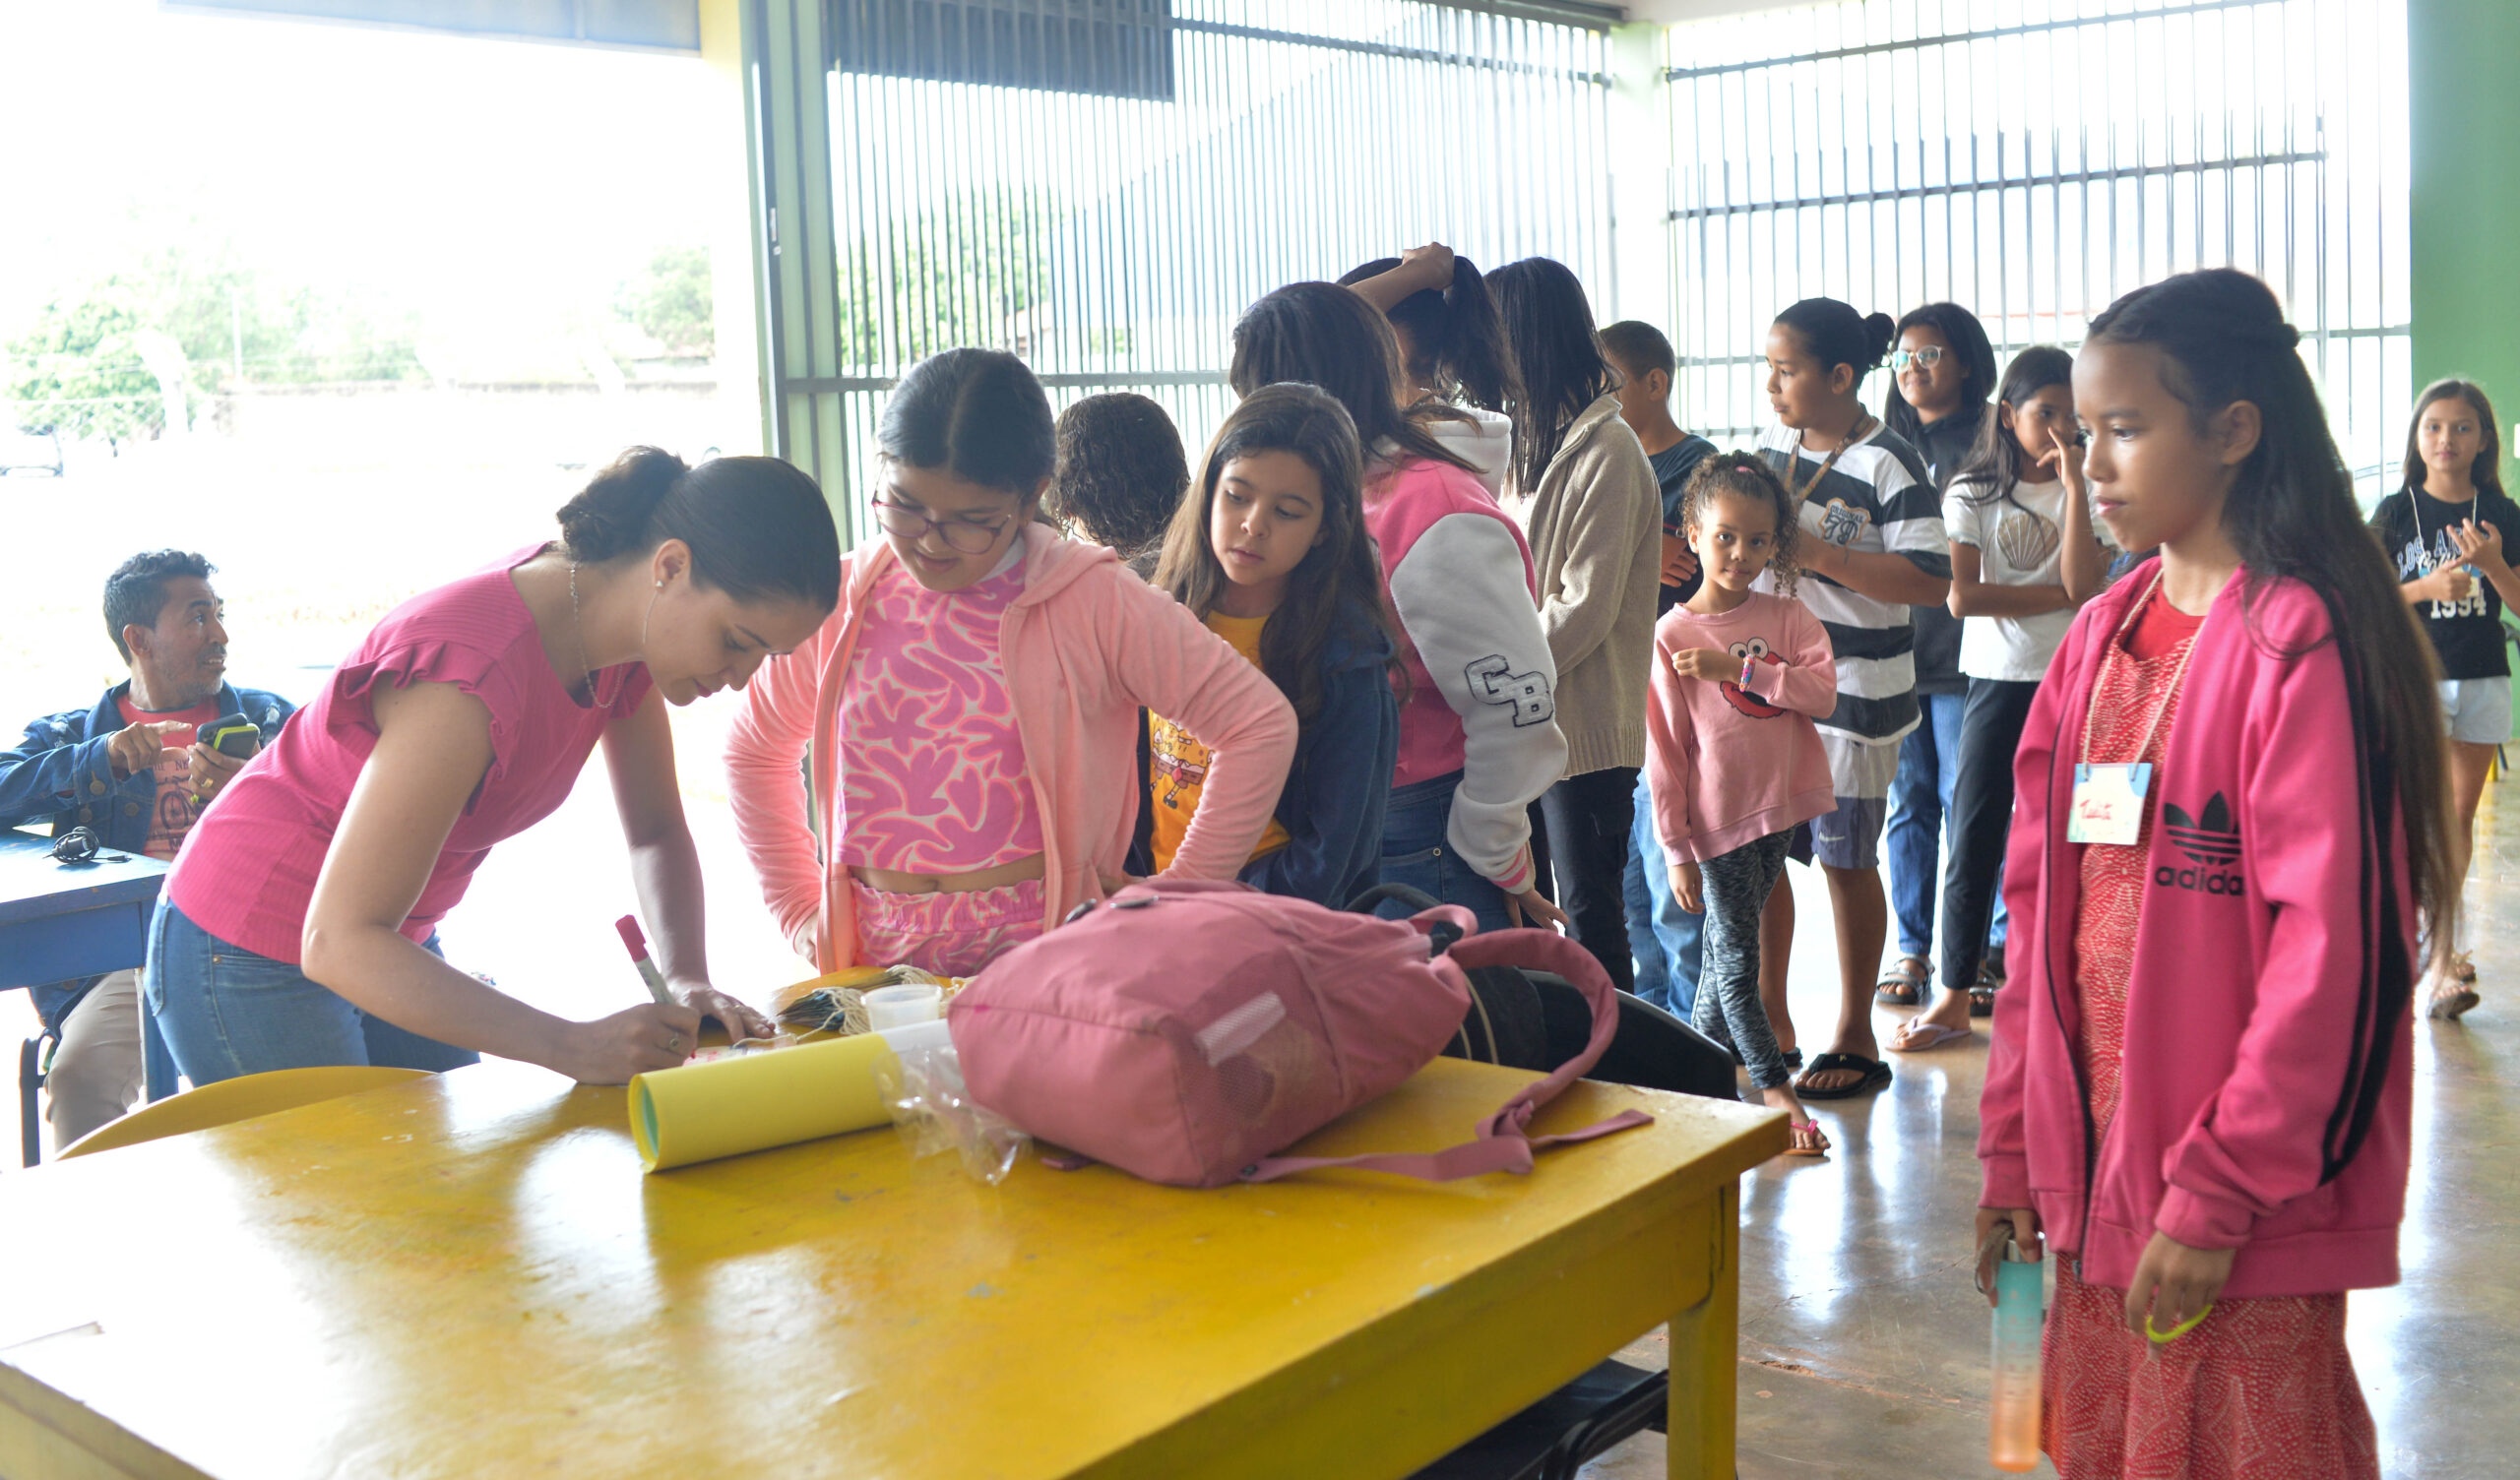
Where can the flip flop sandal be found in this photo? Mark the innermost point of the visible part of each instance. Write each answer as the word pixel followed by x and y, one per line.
pixel 1808 1138
pixel 1875 1075
pixel 2464 968
pixel 1922 1036
pixel 1982 998
pixel 1902 987
pixel 1794 1059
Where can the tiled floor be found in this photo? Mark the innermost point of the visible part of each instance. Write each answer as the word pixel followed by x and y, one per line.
pixel 1863 1348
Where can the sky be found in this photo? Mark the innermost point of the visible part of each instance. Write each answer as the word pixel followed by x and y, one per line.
pixel 452 169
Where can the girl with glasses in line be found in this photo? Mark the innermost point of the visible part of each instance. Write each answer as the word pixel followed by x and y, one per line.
pixel 973 706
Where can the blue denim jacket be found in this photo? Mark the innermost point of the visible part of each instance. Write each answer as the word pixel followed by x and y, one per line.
pixel 61 772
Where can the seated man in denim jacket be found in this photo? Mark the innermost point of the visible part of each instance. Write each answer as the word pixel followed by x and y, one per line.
pixel 131 770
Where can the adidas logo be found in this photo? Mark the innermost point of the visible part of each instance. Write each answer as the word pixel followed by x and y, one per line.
pixel 2211 841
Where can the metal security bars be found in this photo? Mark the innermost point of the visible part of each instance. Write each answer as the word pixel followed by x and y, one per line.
pixel 2032 162
pixel 1111 230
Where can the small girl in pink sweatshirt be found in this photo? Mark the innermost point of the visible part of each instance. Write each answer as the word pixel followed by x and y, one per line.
pixel 1732 756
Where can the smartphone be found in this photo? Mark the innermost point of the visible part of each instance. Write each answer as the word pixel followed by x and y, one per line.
pixel 232 735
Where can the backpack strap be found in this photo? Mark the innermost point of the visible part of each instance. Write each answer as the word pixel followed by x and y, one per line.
pixel 1504 1143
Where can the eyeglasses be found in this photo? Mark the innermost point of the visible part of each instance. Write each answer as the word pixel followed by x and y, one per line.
pixel 911 522
pixel 1925 358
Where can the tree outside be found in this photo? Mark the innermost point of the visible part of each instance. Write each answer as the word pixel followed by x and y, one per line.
pixel 673 302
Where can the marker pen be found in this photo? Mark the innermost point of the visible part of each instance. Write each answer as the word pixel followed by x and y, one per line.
pixel 637 944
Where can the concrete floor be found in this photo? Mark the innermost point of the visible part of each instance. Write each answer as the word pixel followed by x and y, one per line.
pixel 1863 1348
pixel 1863 1345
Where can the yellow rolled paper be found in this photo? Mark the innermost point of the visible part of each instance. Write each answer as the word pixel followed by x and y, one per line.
pixel 727 1107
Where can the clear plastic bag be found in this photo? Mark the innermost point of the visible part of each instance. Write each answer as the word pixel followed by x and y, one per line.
pixel 932 1108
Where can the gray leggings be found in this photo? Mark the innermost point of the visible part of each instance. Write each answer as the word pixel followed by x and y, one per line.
pixel 1736 887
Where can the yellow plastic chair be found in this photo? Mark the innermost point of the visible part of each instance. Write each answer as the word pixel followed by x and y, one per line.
pixel 233 1100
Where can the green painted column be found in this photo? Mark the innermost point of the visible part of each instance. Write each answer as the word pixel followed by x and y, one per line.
pixel 2465 100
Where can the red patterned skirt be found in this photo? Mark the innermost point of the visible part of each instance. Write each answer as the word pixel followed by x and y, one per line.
pixel 2264 1389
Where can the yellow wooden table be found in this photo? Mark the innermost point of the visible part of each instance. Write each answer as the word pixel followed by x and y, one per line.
pixel 468 1276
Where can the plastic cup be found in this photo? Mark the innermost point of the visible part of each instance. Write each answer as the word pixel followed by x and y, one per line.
pixel 900 1006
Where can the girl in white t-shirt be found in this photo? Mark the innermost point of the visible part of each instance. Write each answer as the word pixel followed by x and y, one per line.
pixel 2025 554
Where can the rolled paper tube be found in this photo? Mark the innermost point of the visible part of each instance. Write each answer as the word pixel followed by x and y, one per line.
pixel 727 1107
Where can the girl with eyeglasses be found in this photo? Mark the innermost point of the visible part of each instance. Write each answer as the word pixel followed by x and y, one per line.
pixel 1941 372
pixel 971 705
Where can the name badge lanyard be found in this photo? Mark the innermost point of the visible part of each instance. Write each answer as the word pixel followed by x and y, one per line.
pixel 2108 805
pixel 2415 498
pixel 1862 427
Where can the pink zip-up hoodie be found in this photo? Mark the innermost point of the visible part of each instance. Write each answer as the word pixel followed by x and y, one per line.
pixel 1084 646
pixel 2268 1051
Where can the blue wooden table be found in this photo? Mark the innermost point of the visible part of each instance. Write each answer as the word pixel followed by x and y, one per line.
pixel 63 920
pixel 60 920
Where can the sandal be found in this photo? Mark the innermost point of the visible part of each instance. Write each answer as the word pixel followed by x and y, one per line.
pixel 1875 1073
pixel 2452 1002
pixel 1990 979
pixel 1809 1140
pixel 1903 986
pixel 1919 1035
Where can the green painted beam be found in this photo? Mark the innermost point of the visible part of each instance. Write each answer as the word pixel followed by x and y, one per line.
pixel 2463 57
pixel 786 78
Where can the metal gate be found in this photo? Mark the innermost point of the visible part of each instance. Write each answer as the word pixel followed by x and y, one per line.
pixel 1103 185
pixel 2032 161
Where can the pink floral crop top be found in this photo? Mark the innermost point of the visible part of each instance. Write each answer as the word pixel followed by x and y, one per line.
pixel 931 767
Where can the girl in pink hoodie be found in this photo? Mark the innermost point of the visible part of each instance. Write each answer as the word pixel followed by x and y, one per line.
pixel 973 706
pixel 2229 829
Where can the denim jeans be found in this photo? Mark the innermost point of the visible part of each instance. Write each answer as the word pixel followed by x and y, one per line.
pixel 1417 852
pixel 1664 937
pixel 226 1012
pixel 1928 768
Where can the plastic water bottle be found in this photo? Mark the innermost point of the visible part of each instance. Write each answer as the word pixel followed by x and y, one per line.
pixel 2020 1306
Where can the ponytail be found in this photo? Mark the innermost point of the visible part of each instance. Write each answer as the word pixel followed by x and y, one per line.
pixel 1456 341
pixel 1835 335
pixel 757 528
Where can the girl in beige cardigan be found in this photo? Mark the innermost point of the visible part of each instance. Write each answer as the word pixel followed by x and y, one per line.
pixel 1588 502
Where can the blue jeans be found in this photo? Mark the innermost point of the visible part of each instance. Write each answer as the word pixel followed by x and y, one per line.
pixel 1919 800
pixel 226 1012
pixel 1664 939
pixel 1418 851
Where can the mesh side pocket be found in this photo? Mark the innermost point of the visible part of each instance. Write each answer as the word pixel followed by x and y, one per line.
pixel 1283 1080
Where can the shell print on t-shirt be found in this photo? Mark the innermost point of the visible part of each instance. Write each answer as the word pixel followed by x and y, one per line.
pixel 1755 650
pixel 2027 540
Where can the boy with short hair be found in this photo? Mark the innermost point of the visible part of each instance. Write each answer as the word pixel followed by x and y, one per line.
pixel 1662 937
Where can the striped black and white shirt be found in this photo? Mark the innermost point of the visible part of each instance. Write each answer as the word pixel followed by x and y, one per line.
pixel 1878 499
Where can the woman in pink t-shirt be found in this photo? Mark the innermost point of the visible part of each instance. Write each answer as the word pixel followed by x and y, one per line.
pixel 298 926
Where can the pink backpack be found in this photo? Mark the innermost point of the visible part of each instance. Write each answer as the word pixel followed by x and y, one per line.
pixel 1187 1031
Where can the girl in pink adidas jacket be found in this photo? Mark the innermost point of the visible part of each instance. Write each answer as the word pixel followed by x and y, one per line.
pixel 2199 1087
pixel 973 706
